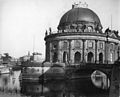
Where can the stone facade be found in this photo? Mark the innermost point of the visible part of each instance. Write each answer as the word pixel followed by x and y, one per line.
pixel 81 41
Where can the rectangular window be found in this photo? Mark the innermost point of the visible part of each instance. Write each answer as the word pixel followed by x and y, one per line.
pixel 77 44
pixel 90 44
pixel 101 45
pixel 64 45
pixel 112 46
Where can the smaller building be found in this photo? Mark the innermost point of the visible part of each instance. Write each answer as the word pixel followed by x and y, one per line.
pixel 36 57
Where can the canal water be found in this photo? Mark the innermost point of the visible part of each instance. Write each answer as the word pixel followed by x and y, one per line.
pixel 10 86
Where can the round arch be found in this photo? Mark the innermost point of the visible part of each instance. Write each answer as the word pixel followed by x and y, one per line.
pixel 90 57
pixel 77 57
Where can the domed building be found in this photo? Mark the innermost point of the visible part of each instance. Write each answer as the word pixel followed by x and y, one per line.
pixel 80 39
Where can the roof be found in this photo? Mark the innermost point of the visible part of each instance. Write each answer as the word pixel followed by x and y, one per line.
pixel 79 15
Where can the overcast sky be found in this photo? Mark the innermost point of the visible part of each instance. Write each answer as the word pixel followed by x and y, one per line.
pixel 25 21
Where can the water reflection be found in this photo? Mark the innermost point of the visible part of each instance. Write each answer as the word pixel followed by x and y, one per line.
pixel 9 84
pixel 70 88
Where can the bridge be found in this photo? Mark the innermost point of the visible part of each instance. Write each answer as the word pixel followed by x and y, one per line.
pixel 87 69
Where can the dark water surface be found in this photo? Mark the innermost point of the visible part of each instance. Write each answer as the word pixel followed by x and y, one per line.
pixel 10 86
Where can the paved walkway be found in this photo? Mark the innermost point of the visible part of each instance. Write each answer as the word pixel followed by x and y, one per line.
pixel 115 82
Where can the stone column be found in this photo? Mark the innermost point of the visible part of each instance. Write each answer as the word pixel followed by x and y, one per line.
pixel 106 52
pixel 46 57
pixel 69 58
pixel 118 52
pixel 47 47
pixel 83 50
pixel 51 54
pixel 58 51
pixel 96 41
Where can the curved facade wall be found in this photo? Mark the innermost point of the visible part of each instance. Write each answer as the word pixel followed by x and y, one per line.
pixel 75 48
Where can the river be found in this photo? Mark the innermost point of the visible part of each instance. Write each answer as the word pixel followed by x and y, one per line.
pixel 10 86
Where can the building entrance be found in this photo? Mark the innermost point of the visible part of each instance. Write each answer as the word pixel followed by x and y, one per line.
pixel 77 57
pixel 100 58
pixel 65 57
pixel 90 57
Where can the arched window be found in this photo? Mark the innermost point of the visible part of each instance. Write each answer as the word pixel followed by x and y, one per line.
pixel 55 57
pixel 90 57
pixel 101 58
pixel 65 57
pixel 77 57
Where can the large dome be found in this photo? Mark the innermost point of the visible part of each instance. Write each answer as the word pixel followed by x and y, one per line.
pixel 76 15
